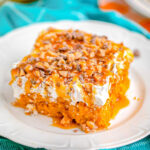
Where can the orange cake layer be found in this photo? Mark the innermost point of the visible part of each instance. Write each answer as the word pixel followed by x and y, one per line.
pixel 78 79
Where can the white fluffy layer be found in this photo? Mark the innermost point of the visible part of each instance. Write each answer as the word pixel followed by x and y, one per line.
pixel 17 89
pixel 76 95
pixel 101 94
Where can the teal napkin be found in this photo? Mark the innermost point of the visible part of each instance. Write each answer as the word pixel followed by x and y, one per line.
pixel 14 15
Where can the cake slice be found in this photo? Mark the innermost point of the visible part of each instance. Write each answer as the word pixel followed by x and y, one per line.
pixel 78 79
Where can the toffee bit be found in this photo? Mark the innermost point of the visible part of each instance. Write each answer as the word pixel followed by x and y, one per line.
pixel 104 65
pixel 46 64
pixel 42 55
pixel 70 79
pixel 63 56
pixel 31 59
pixel 63 73
pixel 48 72
pixel 99 68
pixel 63 49
pixel 105 46
pixel 103 37
pixel 81 78
pixel 45 41
pixel 92 54
pixel 78 46
pixel 78 68
pixel 121 48
pixel 65 120
pixel 66 82
pixel 84 58
pixel 37 73
pixel 51 53
pixel 70 57
pixel 48 83
pixel 33 81
pixel 77 35
pixel 78 55
pixel 97 77
pixel 68 36
pixel 93 39
pixel 42 73
pixel 88 88
pixel 136 53
pixel 75 130
pixel 39 65
pixel 103 52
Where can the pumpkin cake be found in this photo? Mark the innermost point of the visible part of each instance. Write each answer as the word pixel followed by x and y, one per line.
pixel 76 78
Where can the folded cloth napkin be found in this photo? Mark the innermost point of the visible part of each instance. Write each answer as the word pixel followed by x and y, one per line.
pixel 14 15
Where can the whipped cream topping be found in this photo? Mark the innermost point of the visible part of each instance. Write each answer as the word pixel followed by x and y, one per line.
pixel 76 94
pixel 18 90
pixel 101 94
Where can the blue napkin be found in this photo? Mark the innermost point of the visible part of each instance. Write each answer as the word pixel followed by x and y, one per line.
pixel 14 15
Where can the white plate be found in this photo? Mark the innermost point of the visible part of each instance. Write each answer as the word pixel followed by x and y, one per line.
pixel 141 6
pixel 131 124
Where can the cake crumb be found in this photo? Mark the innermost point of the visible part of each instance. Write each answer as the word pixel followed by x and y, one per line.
pixel 136 53
pixel 75 131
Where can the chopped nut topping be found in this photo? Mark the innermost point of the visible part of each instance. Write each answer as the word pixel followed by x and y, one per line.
pixel 46 65
pixel 61 62
pixel 93 39
pixel 33 81
pixel 63 73
pixel 97 77
pixel 77 46
pixel 70 57
pixel 42 55
pixel 78 55
pixel 68 36
pixel 37 73
pixel 103 37
pixel 105 46
pixel 99 68
pixel 39 65
pixel 63 49
pixel 77 35
pixel 103 53
pixel 52 54
pixel 88 88
pixel 83 58
pixel 92 54
pixel 69 53
pixel 46 42
pixel 78 67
